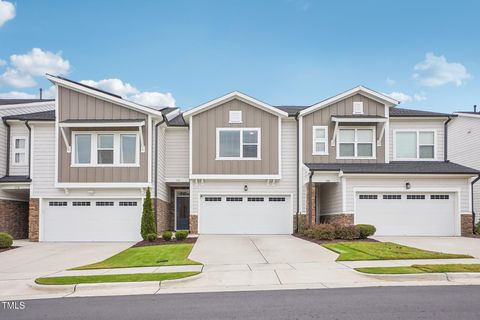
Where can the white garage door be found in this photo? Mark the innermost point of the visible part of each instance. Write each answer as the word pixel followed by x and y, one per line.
pixel 412 214
pixel 92 220
pixel 252 214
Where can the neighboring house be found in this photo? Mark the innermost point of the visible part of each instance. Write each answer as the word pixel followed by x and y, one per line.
pixel 236 165
pixel 463 146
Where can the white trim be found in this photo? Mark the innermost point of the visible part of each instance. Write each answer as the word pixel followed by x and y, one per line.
pixel 280 135
pixel 418 118
pixel 344 193
pixel 358 120
pixel 235 95
pixel 300 165
pixel 56 134
pixel 177 180
pixel 103 96
pixel 235 177
pixel 96 124
pixel 357 107
pixel 355 143
pixel 102 185
pixel 387 135
pixel 413 175
pixel 150 147
pixel 417 132
pixel 360 89
pixel 235 113
pixel 175 204
pixel 469 115
pixel 315 140
pixel 14 150
pixel 41 221
pixel 190 129
pixel 32 150
pixel 241 157
pixel 93 149
pixel 65 140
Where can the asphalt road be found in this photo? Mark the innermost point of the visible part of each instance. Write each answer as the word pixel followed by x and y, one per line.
pixel 406 303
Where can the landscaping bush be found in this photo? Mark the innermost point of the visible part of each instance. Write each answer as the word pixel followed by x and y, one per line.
pixel 167 235
pixel 181 235
pixel 6 240
pixel 346 232
pixel 477 228
pixel 151 237
pixel 322 232
pixel 366 230
pixel 148 219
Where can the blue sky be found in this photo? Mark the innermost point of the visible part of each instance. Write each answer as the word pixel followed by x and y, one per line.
pixel 283 52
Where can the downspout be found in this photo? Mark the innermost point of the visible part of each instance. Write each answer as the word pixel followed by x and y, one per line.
pixel 155 179
pixel 473 203
pixel 445 140
pixel 7 169
pixel 29 147
pixel 310 213
pixel 298 172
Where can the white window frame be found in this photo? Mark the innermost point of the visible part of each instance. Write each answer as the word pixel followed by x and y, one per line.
pixel 355 143
pixel 105 149
pixel 417 132
pixel 241 130
pixel 15 150
pixel 235 112
pixel 116 149
pixel 359 105
pixel 319 140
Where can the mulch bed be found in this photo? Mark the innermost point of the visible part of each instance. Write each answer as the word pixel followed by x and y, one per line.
pixel 6 249
pixel 332 241
pixel 160 241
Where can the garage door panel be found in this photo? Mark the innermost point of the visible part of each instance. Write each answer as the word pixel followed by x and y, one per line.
pixel 253 214
pixel 409 214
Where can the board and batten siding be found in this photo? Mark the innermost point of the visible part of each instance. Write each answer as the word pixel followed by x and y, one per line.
pixel 176 153
pixel 463 148
pixel 408 124
pixel 323 117
pixel 204 127
pixel 74 105
pixel 286 185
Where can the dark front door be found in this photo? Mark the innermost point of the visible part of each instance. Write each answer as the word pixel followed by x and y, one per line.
pixel 183 213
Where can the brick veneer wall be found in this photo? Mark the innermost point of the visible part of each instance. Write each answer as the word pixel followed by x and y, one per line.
pixel 14 218
pixel 343 218
pixel 33 219
pixel 164 216
pixel 311 204
pixel 466 222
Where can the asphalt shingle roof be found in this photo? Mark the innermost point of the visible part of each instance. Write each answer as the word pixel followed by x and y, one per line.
pixel 35 116
pixel 22 101
pixel 10 179
pixel 401 112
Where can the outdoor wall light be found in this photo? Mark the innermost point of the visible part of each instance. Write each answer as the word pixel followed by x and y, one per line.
pixel 408 185
pixel 245 188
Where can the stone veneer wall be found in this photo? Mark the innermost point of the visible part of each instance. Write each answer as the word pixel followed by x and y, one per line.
pixel 342 218
pixel 14 218
pixel 466 222
pixel 165 218
pixel 33 219
pixel 193 224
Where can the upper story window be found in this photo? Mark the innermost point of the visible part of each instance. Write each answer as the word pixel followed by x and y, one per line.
pixel 356 143
pixel 414 144
pixel 357 107
pixel 238 144
pixel 19 150
pixel 105 149
pixel 320 140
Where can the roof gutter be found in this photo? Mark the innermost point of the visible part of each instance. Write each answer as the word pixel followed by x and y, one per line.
pixel 445 140
pixel 473 203
pixel 298 172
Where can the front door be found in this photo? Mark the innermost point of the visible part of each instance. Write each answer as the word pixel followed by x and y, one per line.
pixel 182 208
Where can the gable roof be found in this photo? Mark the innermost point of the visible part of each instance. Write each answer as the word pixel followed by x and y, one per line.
pixel 469 114
pixel 231 96
pixel 70 84
pixel 377 96
pixel 402 112
pixel 291 110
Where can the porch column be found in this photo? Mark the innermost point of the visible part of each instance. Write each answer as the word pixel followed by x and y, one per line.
pixel 311 204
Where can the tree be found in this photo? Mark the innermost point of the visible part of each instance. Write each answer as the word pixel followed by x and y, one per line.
pixel 148 219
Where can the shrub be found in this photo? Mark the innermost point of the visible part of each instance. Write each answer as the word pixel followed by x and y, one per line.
pixel 151 237
pixel 477 228
pixel 167 235
pixel 346 232
pixel 148 219
pixel 181 235
pixel 6 240
pixel 366 230
pixel 322 232
pixel 302 223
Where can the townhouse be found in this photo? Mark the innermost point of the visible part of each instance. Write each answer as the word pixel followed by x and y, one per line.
pixel 234 165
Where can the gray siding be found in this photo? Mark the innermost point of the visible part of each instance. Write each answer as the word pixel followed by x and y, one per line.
pixel 323 116
pixel 75 106
pixel 176 153
pixel 204 140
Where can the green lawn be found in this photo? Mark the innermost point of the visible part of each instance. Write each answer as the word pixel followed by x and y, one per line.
pixel 163 255
pixel 422 268
pixel 355 251
pixel 135 277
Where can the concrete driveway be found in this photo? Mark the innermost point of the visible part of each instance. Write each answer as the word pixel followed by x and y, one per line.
pixel 460 245
pixel 20 266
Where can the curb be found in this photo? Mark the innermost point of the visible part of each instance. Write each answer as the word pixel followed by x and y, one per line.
pixel 182 280
pixel 52 288
pixel 449 276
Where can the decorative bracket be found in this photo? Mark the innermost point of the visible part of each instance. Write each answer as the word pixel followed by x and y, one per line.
pixel 69 148
pixel 382 132
pixel 142 144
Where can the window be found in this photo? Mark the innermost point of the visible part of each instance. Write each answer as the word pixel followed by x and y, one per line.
pixel 213 199
pixel 235 116
pixel 320 140
pixel 19 150
pixel 415 196
pixel 81 203
pixel 105 149
pixel 104 203
pixel 276 199
pixel 57 203
pixel 368 197
pixel 235 144
pixel 439 196
pixel 234 199
pixel 127 203
pixel 356 143
pixel 392 197
pixel 255 199
pixel 415 145
pixel 357 107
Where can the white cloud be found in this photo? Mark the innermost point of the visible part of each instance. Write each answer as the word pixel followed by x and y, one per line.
pixel 154 99
pixel 7 12
pixel 2 62
pixel 38 62
pixel 17 95
pixel 115 86
pixel 400 96
pixel 436 71
pixel 14 78
pixel 419 96
pixel 391 82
